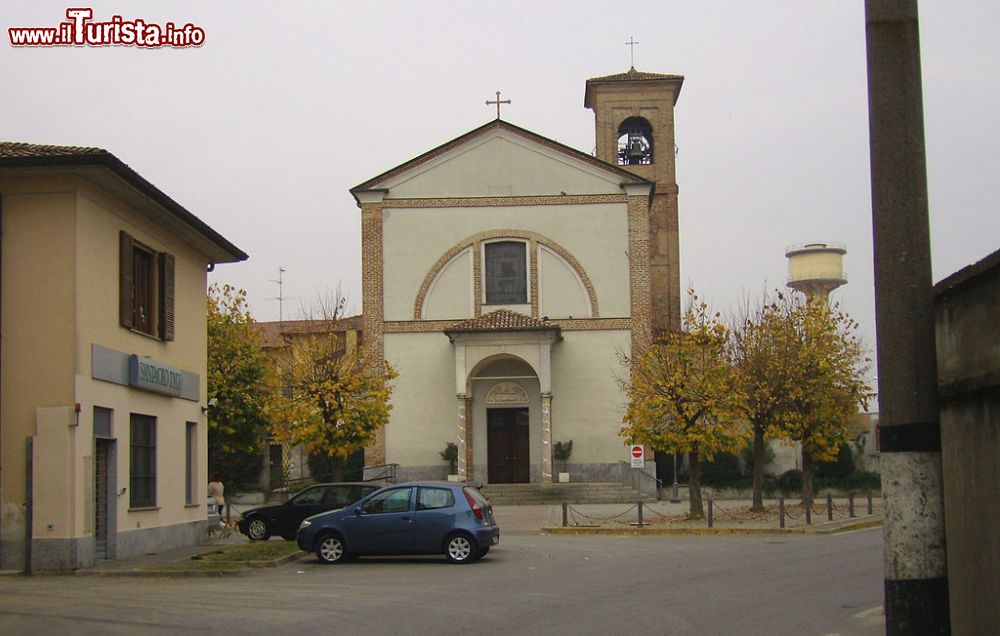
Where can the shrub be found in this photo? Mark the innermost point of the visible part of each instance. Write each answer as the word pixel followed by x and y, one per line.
pixel 840 467
pixel 747 456
pixel 790 481
pixel 724 470
pixel 562 450
pixel 319 468
pixel 450 455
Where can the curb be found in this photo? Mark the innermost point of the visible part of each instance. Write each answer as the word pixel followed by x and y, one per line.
pixel 249 566
pixel 817 530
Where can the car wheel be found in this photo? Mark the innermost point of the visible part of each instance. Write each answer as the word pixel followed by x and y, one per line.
pixel 330 549
pixel 460 548
pixel 257 530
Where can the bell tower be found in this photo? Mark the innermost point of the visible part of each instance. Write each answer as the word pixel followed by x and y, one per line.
pixel 634 118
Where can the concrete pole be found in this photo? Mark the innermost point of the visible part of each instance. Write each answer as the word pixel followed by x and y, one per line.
pixel 916 579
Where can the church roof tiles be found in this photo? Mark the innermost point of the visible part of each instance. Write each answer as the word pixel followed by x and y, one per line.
pixel 503 320
pixel 11 149
pixel 633 74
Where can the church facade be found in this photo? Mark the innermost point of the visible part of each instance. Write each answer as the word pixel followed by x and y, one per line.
pixel 504 274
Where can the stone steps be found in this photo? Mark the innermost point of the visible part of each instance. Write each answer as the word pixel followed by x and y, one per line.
pixel 574 493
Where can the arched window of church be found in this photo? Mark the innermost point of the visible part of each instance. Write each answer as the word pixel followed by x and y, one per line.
pixel 506 273
pixel 635 142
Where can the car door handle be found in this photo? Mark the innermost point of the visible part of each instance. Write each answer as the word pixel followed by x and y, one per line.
pixel 407 519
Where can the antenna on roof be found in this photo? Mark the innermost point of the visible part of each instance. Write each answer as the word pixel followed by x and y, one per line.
pixel 281 298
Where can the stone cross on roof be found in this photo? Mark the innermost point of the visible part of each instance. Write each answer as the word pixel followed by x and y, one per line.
pixel 498 102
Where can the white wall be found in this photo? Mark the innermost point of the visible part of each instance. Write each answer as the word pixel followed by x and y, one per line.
pixel 596 235
pixel 587 404
pixel 424 414
pixel 500 163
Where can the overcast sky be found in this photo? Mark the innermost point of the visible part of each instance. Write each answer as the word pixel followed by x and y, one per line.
pixel 262 130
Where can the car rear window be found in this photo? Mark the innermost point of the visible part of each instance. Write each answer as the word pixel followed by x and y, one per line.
pixel 431 498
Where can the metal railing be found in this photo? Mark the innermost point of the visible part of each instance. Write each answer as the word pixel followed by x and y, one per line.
pixel 639 480
pixel 385 472
pixel 802 512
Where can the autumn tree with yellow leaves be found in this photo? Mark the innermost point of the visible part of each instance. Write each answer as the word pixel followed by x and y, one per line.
pixel 683 396
pixel 765 351
pixel 827 365
pixel 332 401
pixel 239 390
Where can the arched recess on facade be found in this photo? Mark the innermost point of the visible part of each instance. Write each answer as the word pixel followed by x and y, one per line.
pixel 503 367
pixel 534 239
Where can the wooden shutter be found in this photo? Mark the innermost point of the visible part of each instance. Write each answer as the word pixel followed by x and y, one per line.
pixel 166 296
pixel 125 287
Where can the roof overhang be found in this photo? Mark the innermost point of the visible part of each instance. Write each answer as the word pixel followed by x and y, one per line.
pixel 108 172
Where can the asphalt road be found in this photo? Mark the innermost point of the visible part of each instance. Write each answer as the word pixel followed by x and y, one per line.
pixel 529 584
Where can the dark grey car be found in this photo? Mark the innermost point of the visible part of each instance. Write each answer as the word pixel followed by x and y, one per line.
pixel 283 519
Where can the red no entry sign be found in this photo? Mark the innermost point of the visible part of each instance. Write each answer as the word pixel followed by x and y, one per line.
pixel 638 457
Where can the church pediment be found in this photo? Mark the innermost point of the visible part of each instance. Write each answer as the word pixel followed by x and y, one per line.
pixel 500 160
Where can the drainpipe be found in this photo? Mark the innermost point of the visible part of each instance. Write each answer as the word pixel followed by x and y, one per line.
pixel 916 576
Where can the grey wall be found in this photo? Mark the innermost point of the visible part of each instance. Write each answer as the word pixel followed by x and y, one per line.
pixel 967 321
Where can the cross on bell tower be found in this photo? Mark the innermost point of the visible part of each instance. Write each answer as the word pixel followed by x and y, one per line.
pixel 634 122
pixel 631 45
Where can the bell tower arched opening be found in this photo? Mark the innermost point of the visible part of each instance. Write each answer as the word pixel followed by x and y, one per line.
pixel 635 142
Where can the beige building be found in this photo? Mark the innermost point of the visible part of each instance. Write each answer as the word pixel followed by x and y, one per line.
pixel 504 273
pixel 102 368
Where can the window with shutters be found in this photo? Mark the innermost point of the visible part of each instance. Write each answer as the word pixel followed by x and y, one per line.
pixel 146 289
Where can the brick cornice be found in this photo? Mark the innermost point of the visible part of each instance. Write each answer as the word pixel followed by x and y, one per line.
pixel 574 324
pixel 477 202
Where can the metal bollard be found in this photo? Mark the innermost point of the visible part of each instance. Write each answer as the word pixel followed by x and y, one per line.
pixel 829 507
pixel 809 509
pixel 781 512
pixel 850 504
pixel 710 511
pixel 869 490
pixel 565 507
pixel 640 512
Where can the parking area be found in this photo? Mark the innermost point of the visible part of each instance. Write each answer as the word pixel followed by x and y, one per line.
pixel 529 584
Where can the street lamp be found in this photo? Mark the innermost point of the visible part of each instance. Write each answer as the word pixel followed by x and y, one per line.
pixel 674 495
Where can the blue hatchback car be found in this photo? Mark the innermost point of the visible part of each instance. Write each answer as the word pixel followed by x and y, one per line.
pixel 420 518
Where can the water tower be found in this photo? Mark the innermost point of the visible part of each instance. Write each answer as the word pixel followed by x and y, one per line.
pixel 816 269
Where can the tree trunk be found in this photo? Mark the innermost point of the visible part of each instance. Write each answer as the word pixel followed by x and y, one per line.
pixel 807 477
pixel 696 510
pixel 336 467
pixel 758 469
